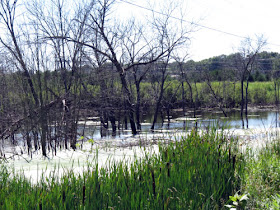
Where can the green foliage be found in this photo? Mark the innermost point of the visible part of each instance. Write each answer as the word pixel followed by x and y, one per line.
pixel 195 172
pixel 238 201
pixel 260 93
pixel 200 171
pixel 261 176
pixel 275 203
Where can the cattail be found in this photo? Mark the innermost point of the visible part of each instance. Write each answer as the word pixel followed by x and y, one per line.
pixel 166 153
pixel 98 187
pixel 154 183
pixel 233 161
pixel 218 158
pixel 84 194
pixel 63 196
pixel 168 169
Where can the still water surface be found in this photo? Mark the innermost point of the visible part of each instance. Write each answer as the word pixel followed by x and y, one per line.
pixel 179 122
pixel 125 147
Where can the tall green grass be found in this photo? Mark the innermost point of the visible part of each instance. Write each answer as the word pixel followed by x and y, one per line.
pixel 261 177
pixel 199 171
pixel 194 172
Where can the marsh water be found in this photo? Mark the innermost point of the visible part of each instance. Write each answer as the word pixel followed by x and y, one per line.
pixel 180 121
pixel 103 146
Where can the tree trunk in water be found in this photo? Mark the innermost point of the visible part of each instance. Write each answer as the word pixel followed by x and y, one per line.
pixel 103 119
pixel 191 98
pixel 138 106
pixel 132 123
pixel 125 122
pixel 168 116
pixel 112 119
pixel 157 108
pixel 155 115
pixel 183 98
pixel 66 133
pixel 103 132
pixel 246 103
pixel 73 134
pixel 74 113
pixel 44 127
pixel 27 130
pixel 242 103
pixel 35 137
pixel 128 103
pixel 195 104
pixel 29 145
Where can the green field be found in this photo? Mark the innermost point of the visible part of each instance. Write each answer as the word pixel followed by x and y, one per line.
pixel 229 93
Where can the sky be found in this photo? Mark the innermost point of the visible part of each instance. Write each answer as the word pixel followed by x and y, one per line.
pixel 243 18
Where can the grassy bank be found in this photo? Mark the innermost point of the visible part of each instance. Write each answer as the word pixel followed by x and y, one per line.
pixel 200 171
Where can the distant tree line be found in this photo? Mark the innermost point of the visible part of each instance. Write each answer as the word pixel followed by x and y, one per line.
pixel 223 67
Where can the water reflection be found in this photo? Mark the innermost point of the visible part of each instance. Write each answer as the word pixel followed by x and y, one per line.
pixel 180 121
pixel 123 146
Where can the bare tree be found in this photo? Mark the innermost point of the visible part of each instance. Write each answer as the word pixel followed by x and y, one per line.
pixel 13 44
pixel 55 21
pixel 48 46
pixel 219 100
pixel 244 61
pixel 156 45
pixel 132 54
pixel 186 70
pixel 161 70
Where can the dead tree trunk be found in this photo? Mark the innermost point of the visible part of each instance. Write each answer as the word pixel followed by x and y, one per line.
pixel 161 91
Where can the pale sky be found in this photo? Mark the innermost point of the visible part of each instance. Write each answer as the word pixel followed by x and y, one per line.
pixel 240 17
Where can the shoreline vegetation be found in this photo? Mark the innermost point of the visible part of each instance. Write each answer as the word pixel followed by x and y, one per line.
pixel 199 171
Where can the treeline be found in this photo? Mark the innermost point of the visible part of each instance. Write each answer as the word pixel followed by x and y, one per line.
pixel 223 67
pixel 64 63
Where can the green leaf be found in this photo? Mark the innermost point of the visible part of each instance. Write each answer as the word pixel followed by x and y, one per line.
pixel 244 197
pixel 233 198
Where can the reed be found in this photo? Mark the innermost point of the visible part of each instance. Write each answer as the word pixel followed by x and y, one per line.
pixel 261 177
pixel 194 172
